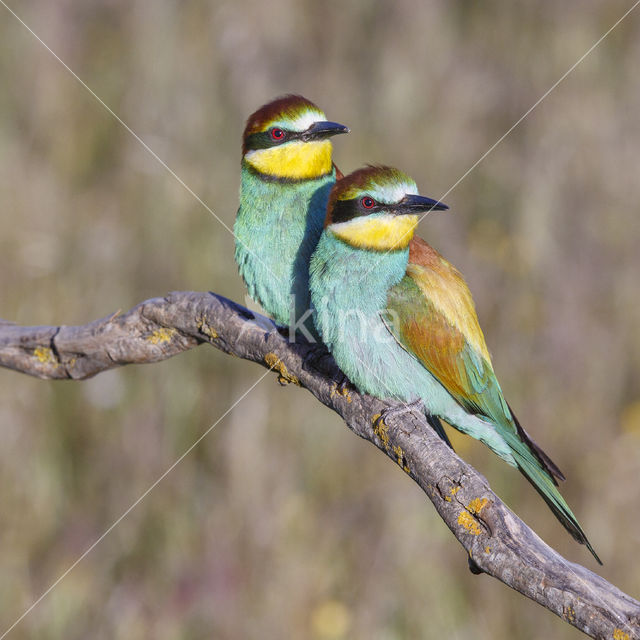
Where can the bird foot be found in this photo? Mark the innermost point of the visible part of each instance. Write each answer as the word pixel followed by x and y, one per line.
pixel 416 405
pixel 316 359
pixel 396 411
pixel 342 386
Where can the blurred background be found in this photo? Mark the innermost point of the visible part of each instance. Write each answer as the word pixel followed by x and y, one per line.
pixel 281 523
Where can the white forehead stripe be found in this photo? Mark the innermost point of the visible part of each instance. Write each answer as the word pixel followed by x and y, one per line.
pixel 303 121
pixel 391 193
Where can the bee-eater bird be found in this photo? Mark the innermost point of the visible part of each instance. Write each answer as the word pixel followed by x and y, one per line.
pixel 401 324
pixel 287 174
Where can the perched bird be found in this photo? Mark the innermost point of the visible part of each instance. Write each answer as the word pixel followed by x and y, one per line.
pixel 287 174
pixel 400 322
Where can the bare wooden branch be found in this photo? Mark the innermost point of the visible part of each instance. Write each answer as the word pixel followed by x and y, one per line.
pixel 498 542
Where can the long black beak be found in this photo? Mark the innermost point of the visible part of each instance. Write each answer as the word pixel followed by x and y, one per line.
pixel 412 204
pixel 321 130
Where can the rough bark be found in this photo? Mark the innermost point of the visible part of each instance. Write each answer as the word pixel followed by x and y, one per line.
pixel 498 543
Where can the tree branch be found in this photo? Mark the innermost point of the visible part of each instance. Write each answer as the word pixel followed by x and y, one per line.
pixel 497 541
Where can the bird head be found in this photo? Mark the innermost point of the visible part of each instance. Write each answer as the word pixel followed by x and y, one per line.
pixel 289 138
pixel 377 208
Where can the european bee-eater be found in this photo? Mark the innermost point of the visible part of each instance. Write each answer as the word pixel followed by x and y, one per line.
pixel 400 322
pixel 287 174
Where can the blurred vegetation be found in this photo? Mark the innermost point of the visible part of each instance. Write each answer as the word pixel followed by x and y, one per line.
pixel 281 524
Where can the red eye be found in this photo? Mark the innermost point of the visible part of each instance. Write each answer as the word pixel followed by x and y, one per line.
pixel 368 203
pixel 277 134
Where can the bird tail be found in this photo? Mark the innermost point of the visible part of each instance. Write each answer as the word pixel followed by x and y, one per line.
pixel 542 478
pixel 550 466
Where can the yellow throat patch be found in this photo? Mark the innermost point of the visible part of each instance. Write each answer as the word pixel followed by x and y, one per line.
pixel 382 233
pixel 298 160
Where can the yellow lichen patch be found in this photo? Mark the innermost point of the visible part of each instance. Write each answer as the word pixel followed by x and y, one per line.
pixel 466 520
pixel 487 549
pixel 45 355
pixel 619 634
pixel 477 505
pixel 341 391
pixel 381 429
pixel 207 330
pixel 401 459
pixel 284 377
pixel 453 492
pixel 161 335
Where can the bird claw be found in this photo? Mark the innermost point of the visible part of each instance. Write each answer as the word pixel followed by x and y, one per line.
pixel 343 384
pixel 417 405
pixel 314 359
pixel 396 411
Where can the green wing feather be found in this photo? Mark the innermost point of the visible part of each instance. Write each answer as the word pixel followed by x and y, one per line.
pixel 432 315
pixel 423 329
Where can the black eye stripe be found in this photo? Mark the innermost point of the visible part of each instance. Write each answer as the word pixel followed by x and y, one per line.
pixel 264 139
pixel 345 210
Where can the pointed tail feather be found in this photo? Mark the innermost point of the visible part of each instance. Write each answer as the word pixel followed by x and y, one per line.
pixel 544 484
pixel 550 466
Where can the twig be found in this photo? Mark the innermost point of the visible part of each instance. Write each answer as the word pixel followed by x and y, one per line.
pixel 498 543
